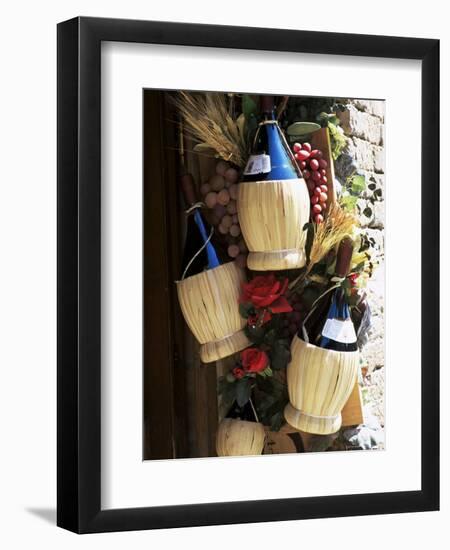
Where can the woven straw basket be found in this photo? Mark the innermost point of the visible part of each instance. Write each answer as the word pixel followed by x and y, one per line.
pixel 239 438
pixel 272 215
pixel 320 382
pixel 210 305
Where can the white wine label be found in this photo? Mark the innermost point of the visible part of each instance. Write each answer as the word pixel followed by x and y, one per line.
pixel 257 164
pixel 339 331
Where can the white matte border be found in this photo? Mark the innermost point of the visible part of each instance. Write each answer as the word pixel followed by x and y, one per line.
pixel 127 481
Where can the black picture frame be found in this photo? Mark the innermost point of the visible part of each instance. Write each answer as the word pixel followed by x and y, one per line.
pixel 79 281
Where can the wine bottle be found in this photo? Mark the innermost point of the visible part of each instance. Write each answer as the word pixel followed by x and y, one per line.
pixel 199 253
pixel 338 332
pixel 271 157
pixel 330 325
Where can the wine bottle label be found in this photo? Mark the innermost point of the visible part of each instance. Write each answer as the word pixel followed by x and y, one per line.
pixel 257 164
pixel 339 331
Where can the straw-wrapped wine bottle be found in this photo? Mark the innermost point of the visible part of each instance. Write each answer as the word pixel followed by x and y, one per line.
pixel 324 359
pixel 240 433
pixel 208 291
pixel 273 200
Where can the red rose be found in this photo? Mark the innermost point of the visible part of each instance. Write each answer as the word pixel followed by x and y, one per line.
pixel 266 291
pixel 238 373
pixel 259 319
pixel 254 360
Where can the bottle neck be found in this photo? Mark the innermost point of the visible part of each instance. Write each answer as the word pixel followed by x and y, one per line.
pixel 344 257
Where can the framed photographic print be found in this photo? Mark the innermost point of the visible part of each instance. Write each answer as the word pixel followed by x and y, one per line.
pixel 248 289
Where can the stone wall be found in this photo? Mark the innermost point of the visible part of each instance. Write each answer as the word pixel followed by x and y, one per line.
pixel 363 126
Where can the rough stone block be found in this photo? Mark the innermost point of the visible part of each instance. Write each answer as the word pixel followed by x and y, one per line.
pixel 361 124
pixel 373 107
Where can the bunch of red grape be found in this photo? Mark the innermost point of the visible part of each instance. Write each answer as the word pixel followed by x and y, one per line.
pixel 313 168
pixel 293 321
pixel 219 194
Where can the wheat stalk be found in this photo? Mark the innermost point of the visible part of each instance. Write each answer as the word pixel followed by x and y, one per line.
pixel 207 120
pixel 337 225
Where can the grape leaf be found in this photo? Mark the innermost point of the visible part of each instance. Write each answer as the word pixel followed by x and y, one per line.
pixel 358 184
pixel 248 105
pixel 243 388
pixel 280 355
pixel 245 310
pixel 348 202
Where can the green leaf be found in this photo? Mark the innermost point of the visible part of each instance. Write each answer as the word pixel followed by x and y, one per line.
pixel 348 202
pixel 280 355
pixel 267 372
pixel 243 388
pixel 249 106
pixel 299 129
pixel 245 310
pixel 277 421
pixel 358 184
pixel 270 337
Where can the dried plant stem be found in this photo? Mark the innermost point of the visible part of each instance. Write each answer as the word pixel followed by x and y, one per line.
pixel 208 120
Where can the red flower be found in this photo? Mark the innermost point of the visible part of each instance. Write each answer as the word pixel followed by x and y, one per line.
pixel 254 360
pixel 259 319
pixel 265 291
pixel 238 373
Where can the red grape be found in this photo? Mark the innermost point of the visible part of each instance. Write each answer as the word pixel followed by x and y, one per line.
pixel 232 175
pixel 221 167
pixel 297 147
pixel 233 190
pixel 324 179
pixel 318 218
pixel 211 199
pixel 217 182
pixel 306 174
pixel 316 154
pixel 307 146
pixel 302 155
pixel 314 164
pixel 324 188
pixel 323 163
pixel 316 176
pixel 235 230
pixel 302 165
pixel 223 197
pixel 227 221
pixel 314 199
pixel 233 251
pixel 231 207
pixel 317 209
pixel 318 191
pixel 323 197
